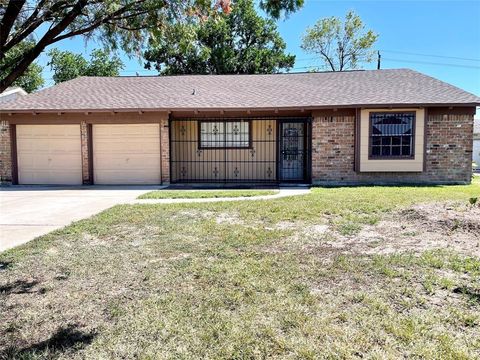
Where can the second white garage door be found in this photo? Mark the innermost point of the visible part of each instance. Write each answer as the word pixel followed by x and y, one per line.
pixel 126 154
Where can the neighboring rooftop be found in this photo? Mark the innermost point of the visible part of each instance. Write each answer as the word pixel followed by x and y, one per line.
pixel 203 92
pixel 11 94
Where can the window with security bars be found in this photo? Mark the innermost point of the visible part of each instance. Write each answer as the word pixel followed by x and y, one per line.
pixel 224 134
pixel 392 134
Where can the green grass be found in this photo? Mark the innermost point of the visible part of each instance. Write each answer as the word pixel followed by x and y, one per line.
pixel 202 194
pixel 231 281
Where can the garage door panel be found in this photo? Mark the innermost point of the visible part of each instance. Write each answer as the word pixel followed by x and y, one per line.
pixel 50 177
pixel 127 130
pixel 133 177
pixel 64 162
pixel 126 154
pixel 49 154
pixel 141 146
pixel 131 162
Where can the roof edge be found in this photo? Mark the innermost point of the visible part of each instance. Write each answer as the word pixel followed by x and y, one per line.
pixel 204 109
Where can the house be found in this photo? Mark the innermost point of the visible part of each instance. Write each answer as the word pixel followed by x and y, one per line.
pixel 379 126
pixel 11 94
pixel 476 144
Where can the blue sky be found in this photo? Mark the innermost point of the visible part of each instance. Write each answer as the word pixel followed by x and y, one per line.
pixel 450 30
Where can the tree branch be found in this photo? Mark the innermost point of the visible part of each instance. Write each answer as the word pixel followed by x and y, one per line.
pixel 46 40
pixel 327 57
pixel 11 13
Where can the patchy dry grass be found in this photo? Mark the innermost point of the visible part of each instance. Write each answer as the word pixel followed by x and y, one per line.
pixel 303 277
pixel 202 194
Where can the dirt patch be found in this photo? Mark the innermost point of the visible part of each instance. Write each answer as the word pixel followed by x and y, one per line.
pixel 416 229
pixel 193 215
pixel 229 219
pixel 449 217
pixel 427 226
pixel 419 228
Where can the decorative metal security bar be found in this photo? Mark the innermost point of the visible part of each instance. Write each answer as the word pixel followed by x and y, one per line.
pixel 225 150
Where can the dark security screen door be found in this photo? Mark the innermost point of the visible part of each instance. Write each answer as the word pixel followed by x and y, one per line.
pixel 293 151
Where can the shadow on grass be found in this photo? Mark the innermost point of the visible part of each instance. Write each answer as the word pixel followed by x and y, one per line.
pixel 66 338
pixel 18 287
pixel 4 265
pixel 473 294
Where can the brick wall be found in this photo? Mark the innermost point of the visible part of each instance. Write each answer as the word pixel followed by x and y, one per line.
pixel 448 152
pixel 5 153
pixel 333 148
pixel 165 150
pixel 85 155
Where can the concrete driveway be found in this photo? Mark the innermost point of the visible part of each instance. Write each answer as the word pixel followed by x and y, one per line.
pixel 28 212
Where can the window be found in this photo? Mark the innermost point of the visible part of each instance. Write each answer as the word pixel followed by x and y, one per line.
pixel 224 134
pixel 392 134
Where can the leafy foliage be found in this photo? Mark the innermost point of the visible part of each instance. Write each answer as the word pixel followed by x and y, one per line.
pixel 31 79
pixel 341 46
pixel 67 65
pixel 240 42
pixel 124 24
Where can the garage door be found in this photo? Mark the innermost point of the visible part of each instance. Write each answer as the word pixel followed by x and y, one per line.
pixel 49 154
pixel 126 154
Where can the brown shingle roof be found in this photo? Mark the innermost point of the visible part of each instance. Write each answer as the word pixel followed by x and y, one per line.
pixel 300 90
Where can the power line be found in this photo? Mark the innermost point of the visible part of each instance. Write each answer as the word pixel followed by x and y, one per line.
pixel 432 63
pixel 431 55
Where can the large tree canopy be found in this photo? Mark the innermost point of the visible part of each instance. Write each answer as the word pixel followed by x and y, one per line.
pixel 121 24
pixel 31 79
pixel 341 46
pixel 67 65
pixel 241 42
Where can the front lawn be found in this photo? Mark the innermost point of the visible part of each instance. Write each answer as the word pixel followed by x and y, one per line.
pixel 202 194
pixel 375 272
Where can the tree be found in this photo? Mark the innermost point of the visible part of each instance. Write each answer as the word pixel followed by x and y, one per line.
pixel 341 46
pixel 123 24
pixel 241 42
pixel 67 65
pixel 31 79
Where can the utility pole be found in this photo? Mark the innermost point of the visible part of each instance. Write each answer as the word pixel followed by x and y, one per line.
pixel 379 58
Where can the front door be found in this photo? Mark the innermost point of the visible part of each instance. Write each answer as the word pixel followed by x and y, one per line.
pixel 293 149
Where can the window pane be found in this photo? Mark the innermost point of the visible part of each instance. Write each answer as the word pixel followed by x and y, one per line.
pixel 406 150
pixel 212 134
pixel 393 130
pixel 406 140
pixel 375 150
pixel 227 134
pixel 395 150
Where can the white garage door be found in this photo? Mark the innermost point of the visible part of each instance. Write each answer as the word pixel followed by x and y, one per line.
pixel 126 154
pixel 49 154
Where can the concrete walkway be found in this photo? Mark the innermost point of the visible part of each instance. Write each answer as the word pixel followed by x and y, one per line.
pixel 27 212
pixel 283 192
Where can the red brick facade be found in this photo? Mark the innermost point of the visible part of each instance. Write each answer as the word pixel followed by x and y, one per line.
pixel 165 150
pixel 5 152
pixel 448 157
pixel 448 147
pixel 84 134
